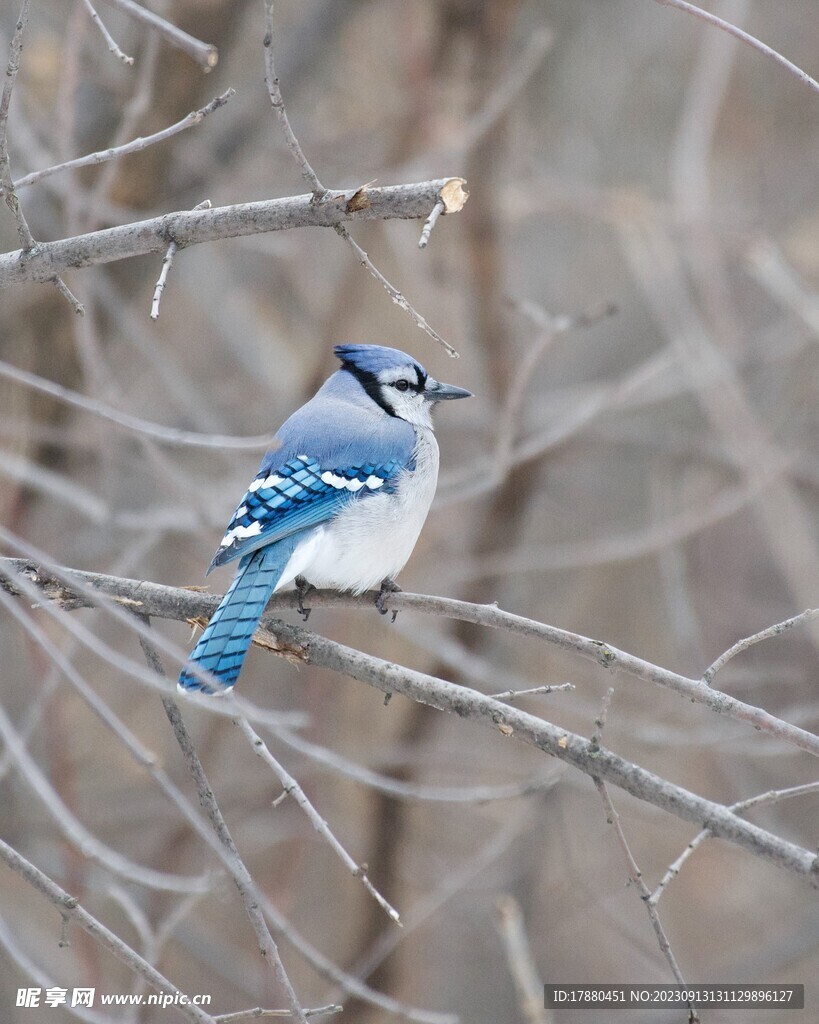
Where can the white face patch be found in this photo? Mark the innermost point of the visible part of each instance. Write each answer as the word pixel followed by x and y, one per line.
pixel 240 532
pixel 410 405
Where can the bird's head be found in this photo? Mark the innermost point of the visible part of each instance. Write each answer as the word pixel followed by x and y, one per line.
pixel 396 382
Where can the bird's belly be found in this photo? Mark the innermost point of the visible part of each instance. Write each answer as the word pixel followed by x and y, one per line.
pixel 363 545
pixel 373 537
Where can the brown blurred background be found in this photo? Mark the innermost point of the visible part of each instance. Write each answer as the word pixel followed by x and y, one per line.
pixel 650 479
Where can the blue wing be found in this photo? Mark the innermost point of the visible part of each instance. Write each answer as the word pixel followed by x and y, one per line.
pixel 297 495
pixel 335 449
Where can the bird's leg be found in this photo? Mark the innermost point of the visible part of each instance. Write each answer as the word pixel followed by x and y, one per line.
pixel 388 586
pixel 303 588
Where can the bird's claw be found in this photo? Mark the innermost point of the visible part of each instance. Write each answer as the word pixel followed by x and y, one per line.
pixel 303 588
pixel 388 587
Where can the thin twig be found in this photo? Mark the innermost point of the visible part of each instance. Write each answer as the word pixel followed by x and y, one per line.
pixel 634 872
pixel 106 35
pixel 773 796
pixel 742 645
pixel 134 146
pixel 277 102
pixel 430 223
pixel 166 267
pixel 636 877
pixel 769 797
pixel 291 787
pixel 203 53
pixel 361 198
pixel 397 297
pixel 602 717
pixel 744 37
pixel 510 695
pixel 9 940
pixel 29 245
pixel 512 931
pixel 167 263
pixel 78 835
pixel 133 424
pixel 67 294
pixel 12 202
pixel 70 909
pixel 241 875
pixel 403 790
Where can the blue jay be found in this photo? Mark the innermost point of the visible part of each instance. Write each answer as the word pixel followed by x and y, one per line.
pixel 339 501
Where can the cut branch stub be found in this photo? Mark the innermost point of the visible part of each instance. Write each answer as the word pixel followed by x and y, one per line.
pixel 453 195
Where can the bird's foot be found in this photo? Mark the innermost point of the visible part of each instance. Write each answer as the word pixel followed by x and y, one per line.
pixel 303 588
pixel 388 587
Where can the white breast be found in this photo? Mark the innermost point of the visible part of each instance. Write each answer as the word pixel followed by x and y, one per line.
pixel 372 537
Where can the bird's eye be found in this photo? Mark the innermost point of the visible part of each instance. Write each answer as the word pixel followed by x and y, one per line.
pixel 402 385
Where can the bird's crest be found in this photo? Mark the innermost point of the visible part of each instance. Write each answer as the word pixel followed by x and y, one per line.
pixel 372 359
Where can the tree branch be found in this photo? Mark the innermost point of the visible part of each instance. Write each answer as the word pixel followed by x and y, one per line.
pixel 132 424
pixel 634 873
pixel 292 788
pixel 110 42
pixel 452 194
pixel 239 871
pixel 203 53
pixel 173 603
pixel 167 263
pixel 742 645
pixel 70 909
pixel 191 227
pixel 102 156
pixel 147 760
pixel 27 241
pixel 397 297
pixel 277 102
pixel 744 37
pixel 176 604
pixel 511 928
pixel 636 878
pixel 741 807
pixel 12 202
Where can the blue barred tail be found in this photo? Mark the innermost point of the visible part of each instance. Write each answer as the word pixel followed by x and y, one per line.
pixel 222 647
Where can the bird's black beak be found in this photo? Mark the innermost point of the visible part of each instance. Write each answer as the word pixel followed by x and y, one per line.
pixel 435 391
